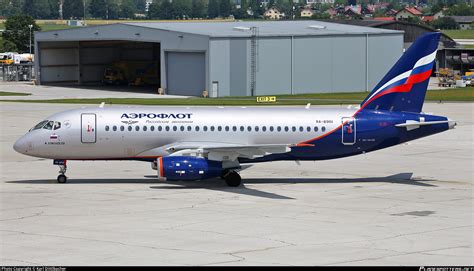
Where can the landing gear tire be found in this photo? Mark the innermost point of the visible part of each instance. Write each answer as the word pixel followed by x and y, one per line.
pixel 224 174
pixel 62 178
pixel 233 179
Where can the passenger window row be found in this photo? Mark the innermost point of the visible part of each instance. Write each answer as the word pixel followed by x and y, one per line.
pixel 217 128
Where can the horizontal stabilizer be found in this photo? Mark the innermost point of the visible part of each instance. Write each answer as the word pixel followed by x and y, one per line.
pixel 413 124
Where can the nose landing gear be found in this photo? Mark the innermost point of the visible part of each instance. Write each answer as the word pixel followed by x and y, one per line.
pixel 62 170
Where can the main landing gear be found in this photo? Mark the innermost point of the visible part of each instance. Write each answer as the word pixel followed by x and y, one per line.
pixel 62 170
pixel 232 178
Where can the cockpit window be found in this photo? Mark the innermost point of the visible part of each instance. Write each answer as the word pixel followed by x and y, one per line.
pixel 39 125
pixel 57 125
pixel 49 125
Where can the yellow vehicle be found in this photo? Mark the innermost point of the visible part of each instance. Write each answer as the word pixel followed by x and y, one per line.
pixel 132 73
pixel 6 58
pixel 113 76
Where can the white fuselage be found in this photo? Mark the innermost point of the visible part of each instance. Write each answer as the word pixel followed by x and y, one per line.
pixel 130 132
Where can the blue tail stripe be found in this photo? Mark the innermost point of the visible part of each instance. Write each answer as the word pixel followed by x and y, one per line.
pixel 405 99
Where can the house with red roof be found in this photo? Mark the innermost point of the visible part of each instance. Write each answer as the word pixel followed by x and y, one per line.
pixel 408 12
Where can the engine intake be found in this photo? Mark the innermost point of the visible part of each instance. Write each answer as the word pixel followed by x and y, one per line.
pixel 176 168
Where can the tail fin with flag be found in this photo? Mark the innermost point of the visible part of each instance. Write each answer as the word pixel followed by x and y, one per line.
pixel 403 88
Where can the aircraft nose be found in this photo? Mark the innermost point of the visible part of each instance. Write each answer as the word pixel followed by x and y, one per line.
pixel 20 145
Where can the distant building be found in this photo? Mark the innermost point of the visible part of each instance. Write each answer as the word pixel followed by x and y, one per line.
pixel 310 2
pixel 408 12
pixel 147 4
pixel 306 13
pixel 439 14
pixel 353 11
pixel 273 13
pixel 465 22
pixel 384 19
pixel 224 58
pixel 427 19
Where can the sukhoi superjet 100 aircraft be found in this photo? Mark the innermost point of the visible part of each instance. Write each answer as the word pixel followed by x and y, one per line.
pixel 195 143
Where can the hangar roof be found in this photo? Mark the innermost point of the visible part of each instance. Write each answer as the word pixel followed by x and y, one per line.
pixel 273 28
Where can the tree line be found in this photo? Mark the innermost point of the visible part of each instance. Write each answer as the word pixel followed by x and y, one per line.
pixel 73 9
pixel 185 9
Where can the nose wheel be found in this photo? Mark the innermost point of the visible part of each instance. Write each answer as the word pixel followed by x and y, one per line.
pixel 62 178
pixel 62 170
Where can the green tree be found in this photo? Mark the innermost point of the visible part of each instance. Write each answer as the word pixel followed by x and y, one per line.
pixel 38 9
pixel 11 7
pixel 7 46
pixel 17 31
pixel 213 9
pixel 54 9
pixel 140 5
pixel 320 16
pixel 113 9
pixel 105 9
pixel 225 8
pixel 98 8
pixel 166 10
pixel 460 10
pixel 73 9
pixel 244 4
pixel 4 8
pixel 198 9
pixel 181 9
pixel 286 7
pixel 127 9
pixel 153 11
pixel 445 23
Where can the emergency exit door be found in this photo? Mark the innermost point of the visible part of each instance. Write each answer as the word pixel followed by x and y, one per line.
pixel 88 128
pixel 348 131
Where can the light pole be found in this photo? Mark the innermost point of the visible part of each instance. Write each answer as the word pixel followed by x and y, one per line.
pixel 31 27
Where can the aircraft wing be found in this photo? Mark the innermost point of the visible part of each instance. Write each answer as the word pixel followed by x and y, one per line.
pixel 225 151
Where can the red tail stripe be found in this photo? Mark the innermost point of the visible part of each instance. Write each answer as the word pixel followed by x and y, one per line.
pixel 412 79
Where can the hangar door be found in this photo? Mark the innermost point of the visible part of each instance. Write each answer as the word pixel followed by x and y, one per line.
pixel 185 73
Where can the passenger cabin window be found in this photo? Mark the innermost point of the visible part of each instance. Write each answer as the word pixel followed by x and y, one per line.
pixel 107 128
pixel 122 128
pixel 114 128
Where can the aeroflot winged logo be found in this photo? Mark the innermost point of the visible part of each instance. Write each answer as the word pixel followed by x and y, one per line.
pixel 156 116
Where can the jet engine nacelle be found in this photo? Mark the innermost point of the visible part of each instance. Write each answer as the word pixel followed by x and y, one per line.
pixel 189 168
